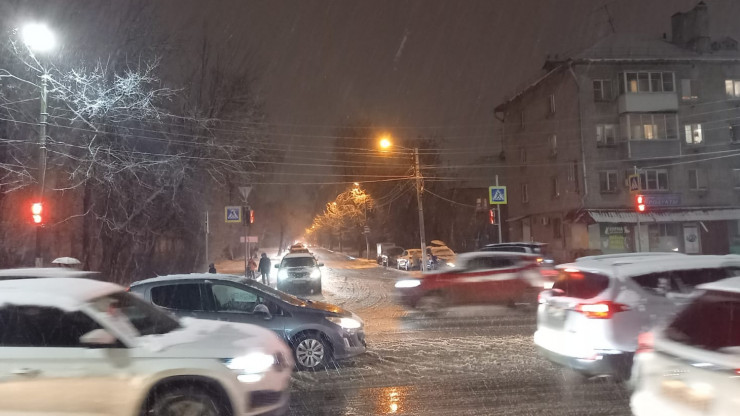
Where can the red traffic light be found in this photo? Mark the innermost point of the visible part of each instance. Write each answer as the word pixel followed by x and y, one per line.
pixel 491 217
pixel 36 209
pixel 640 204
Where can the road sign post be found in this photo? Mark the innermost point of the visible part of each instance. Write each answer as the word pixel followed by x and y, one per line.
pixel 233 214
pixel 497 196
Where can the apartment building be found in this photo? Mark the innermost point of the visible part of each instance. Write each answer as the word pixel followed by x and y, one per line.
pixel 664 109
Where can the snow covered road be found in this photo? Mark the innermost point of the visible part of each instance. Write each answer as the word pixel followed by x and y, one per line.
pixel 466 361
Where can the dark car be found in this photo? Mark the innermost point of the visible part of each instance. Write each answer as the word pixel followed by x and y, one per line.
pixel 478 278
pixel 390 256
pixel 299 272
pixel 317 332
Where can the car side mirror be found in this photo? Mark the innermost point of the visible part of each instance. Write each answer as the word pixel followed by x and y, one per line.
pixel 98 338
pixel 277 266
pixel 263 310
pixel 321 264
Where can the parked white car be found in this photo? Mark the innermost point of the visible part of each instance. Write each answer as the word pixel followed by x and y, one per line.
pixel 692 366
pixel 79 346
pixel 591 318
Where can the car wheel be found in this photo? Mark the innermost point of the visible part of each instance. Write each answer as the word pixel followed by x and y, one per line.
pixel 311 352
pixel 432 303
pixel 184 401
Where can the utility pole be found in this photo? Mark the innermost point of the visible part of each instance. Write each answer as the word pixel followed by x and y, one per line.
pixel 419 190
pixel 208 231
pixel 639 232
pixel 498 217
pixel 39 262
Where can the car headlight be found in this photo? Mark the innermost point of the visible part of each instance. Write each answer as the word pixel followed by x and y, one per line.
pixel 408 283
pixel 346 323
pixel 450 264
pixel 283 274
pixel 315 274
pixel 252 363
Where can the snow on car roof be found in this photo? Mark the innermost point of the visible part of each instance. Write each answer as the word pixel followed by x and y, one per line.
pixel 638 265
pixel 726 285
pixel 295 255
pixel 474 254
pixel 191 276
pixel 60 292
pixel 39 272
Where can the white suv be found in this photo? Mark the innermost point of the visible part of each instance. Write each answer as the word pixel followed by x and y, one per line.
pixel 692 367
pixel 79 346
pixel 591 318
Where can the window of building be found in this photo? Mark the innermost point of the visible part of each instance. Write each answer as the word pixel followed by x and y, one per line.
pixel 603 90
pixel 697 179
pixel 693 134
pixel 186 297
pixel 736 178
pixel 645 126
pixel 732 88
pixel 735 133
pixel 525 193
pixel 608 181
pixel 551 108
pixel 665 229
pixel 555 186
pixel 552 144
pixel 606 134
pixel 642 82
pixel 523 155
pixel 654 180
pixel 687 92
pixel 557 228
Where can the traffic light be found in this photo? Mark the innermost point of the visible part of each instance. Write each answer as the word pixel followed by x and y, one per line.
pixel 491 217
pixel 251 216
pixel 248 216
pixel 640 203
pixel 37 209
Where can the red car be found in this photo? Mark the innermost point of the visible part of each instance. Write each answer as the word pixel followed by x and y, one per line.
pixel 477 278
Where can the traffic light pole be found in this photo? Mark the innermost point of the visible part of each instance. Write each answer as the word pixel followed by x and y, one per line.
pixel 638 234
pixel 419 190
pixel 39 262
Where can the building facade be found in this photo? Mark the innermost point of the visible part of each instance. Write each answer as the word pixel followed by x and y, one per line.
pixel 661 114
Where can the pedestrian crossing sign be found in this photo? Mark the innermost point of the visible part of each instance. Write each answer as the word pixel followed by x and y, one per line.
pixel 233 214
pixel 634 182
pixel 497 195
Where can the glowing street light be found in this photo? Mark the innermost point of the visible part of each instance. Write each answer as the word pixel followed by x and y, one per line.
pixel 38 37
pixel 385 143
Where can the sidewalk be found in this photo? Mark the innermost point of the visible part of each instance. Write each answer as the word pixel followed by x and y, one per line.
pixel 236 266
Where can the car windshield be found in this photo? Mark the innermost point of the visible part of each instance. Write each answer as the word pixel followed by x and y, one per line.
pixel 298 262
pixel 711 322
pixel 129 311
pixel 277 293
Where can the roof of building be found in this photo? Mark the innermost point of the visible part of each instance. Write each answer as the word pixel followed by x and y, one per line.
pixel 627 48
pixel 60 292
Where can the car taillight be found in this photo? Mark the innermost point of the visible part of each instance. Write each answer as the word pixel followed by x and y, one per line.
pixel 600 310
pixel 644 342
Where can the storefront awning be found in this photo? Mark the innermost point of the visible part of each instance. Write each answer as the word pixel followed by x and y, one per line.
pixel 683 215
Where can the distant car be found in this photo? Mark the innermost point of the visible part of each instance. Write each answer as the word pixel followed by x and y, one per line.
pixel 298 248
pixel 318 332
pixel 478 278
pixel 539 249
pixel 41 272
pixel 445 256
pixel 299 272
pixel 83 347
pixel 691 366
pixel 591 318
pixel 409 260
pixel 389 258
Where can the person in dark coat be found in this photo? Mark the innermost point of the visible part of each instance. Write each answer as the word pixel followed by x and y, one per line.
pixel 264 268
pixel 211 268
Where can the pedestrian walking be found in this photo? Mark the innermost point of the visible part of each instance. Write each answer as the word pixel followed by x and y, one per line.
pixel 264 268
pixel 252 268
pixel 211 268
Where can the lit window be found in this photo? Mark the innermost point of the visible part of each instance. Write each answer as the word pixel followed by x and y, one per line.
pixel 732 88
pixel 608 181
pixel 693 134
pixel 606 134
pixel 650 126
pixel 634 82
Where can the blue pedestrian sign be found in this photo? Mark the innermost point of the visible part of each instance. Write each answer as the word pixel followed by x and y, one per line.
pixel 233 214
pixel 497 195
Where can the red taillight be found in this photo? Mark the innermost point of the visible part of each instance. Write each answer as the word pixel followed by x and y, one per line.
pixel 644 342
pixel 600 310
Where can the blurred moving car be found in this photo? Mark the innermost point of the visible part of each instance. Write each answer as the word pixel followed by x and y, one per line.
pixel 80 346
pixel 389 258
pixel 540 249
pixel 691 367
pixel 318 332
pixel 590 319
pixel 445 256
pixel 479 277
pixel 409 260
pixel 299 272
pixel 41 272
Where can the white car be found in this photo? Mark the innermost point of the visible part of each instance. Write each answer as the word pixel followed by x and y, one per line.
pixel 692 367
pixel 591 318
pixel 84 347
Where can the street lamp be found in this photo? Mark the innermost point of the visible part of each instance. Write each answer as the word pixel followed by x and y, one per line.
pixel 38 38
pixel 385 144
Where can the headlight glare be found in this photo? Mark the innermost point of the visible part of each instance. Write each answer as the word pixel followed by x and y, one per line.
pixel 346 323
pixel 283 274
pixel 408 283
pixel 252 363
pixel 315 274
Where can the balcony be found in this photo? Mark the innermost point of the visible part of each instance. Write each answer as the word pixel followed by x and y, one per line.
pixel 648 102
pixel 648 149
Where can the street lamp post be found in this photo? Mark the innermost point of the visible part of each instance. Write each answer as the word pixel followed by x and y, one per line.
pixel 38 38
pixel 385 143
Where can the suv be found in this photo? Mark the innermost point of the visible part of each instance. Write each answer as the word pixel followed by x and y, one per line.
pixel 318 332
pixel 299 271
pixel 591 318
pixel 80 346
pixel 502 278
pixel 409 260
pixel 692 365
